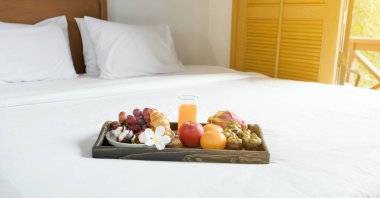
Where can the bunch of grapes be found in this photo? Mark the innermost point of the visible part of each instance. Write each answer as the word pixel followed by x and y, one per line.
pixel 139 121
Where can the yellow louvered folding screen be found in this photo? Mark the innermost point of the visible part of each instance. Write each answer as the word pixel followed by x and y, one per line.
pixel 261 46
pixel 300 50
pixel 290 39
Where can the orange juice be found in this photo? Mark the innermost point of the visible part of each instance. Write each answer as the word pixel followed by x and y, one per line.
pixel 187 112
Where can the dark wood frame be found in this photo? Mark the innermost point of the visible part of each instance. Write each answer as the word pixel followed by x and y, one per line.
pixel 102 149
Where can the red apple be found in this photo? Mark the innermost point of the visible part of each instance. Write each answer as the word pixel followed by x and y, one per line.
pixel 190 134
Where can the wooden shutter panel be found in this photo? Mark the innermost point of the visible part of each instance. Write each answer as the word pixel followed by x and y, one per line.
pixel 255 35
pixel 261 46
pixel 300 50
pixel 290 39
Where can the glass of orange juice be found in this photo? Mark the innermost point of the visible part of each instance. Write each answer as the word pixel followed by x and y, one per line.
pixel 187 109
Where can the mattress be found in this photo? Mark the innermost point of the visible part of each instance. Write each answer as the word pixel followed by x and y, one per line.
pixel 324 140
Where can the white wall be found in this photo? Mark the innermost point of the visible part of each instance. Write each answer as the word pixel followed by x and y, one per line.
pixel 201 28
pixel 219 32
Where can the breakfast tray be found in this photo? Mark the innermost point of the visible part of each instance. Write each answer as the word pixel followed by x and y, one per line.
pixel 176 152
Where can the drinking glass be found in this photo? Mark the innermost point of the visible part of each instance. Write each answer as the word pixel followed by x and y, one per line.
pixel 187 109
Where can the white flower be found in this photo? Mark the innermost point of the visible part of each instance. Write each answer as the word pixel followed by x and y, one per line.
pixel 156 138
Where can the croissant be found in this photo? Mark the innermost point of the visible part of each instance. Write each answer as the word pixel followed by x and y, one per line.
pixel 159 119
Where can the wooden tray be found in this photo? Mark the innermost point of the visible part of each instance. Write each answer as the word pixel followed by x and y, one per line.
pixel 175 152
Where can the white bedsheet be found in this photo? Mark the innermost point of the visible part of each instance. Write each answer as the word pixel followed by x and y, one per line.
pixel 324 140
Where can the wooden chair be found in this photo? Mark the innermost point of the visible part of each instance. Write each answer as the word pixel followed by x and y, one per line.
pixel 358 44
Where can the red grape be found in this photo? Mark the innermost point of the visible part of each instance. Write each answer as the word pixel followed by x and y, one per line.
pixel 146 114
pixel 140 121
pixel 131 120
pixel 114 125
pixel 135 128
pixel 137 113
pixel 147 118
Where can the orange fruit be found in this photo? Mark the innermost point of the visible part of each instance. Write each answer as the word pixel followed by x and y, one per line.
pixel 213 140
pixel 212 127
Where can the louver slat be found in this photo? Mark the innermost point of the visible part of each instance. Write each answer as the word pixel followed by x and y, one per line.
pixel 261 46
pixel 300 50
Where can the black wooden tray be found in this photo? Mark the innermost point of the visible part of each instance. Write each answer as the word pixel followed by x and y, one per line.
pixel 102 149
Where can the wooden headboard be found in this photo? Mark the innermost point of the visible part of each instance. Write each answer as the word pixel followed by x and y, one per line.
pixel 33 11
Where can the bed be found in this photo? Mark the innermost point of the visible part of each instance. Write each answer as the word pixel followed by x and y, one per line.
pixel 323 139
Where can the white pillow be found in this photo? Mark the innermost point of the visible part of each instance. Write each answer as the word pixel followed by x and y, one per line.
pixel 132 50
pixel 89 52
pixel 60 21
pixel 32 53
